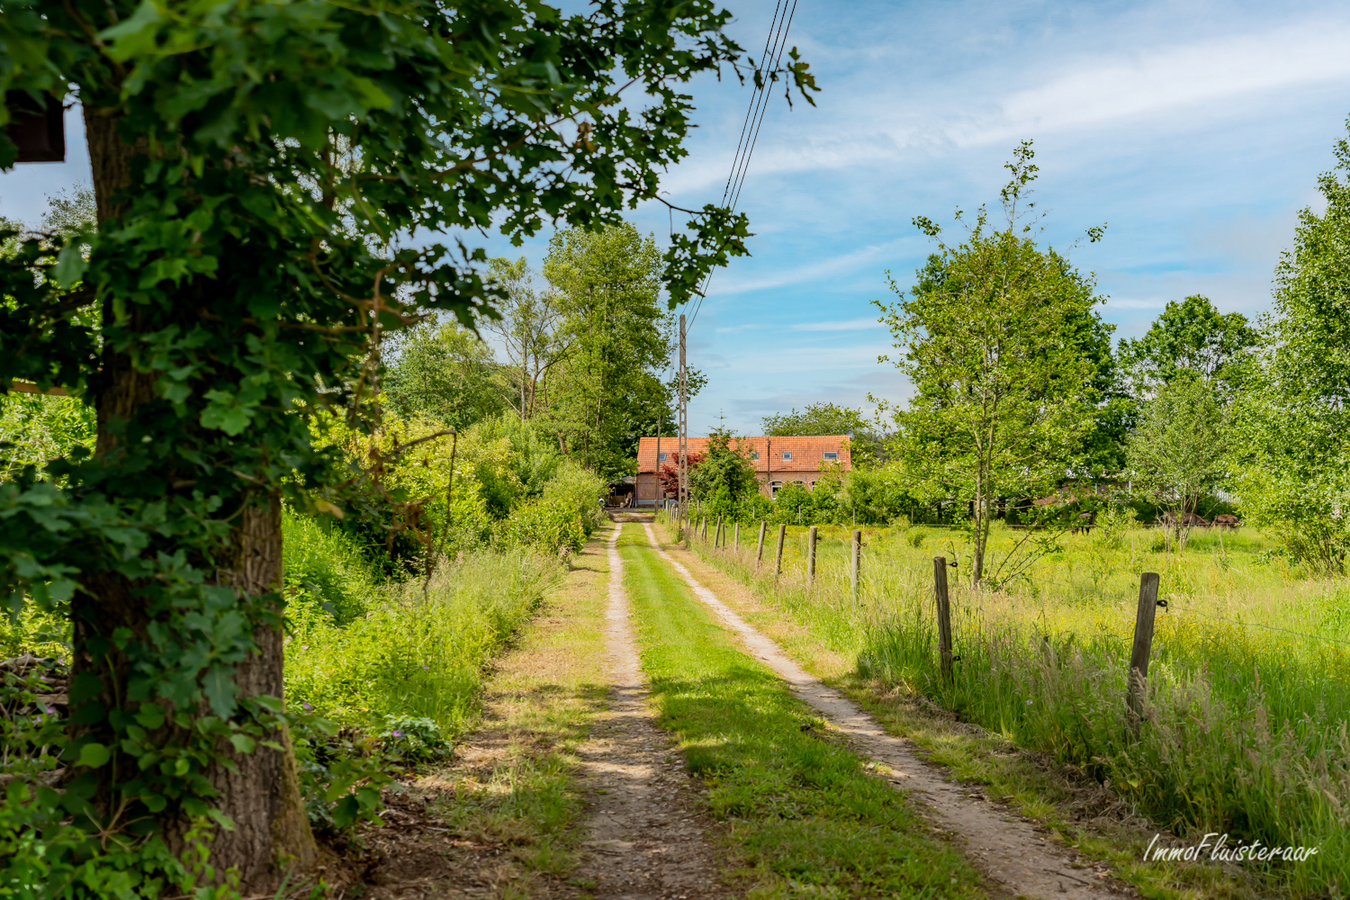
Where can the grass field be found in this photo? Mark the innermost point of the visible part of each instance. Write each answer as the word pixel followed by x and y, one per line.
pixel 1249 692
pixel 801 809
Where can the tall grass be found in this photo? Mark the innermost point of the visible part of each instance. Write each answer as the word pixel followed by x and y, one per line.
pixel 1246 726
pixel 358 653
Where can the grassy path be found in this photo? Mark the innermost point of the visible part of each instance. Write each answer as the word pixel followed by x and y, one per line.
pixel 806 815
pixel 505 817
pixel 1072 809
pixel 646 829
pixel 1008 849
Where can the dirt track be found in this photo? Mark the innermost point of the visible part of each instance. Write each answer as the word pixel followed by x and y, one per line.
pixel 1006 847
pixel 647 831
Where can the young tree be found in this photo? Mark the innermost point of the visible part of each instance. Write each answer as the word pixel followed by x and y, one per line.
pixel 1294 416
pixel 445 372
pixel 531 329
pixel 618 336
pixel 1176 453
pixel 1190 338
pixel 992 338
pixel 724 473
pixel 254 167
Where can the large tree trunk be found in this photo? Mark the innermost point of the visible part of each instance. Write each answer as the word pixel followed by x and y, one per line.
pixel 261 794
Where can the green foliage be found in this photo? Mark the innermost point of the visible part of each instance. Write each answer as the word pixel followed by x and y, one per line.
pixel 255 162
pixel 1177 453
pixel 532 328
pixel 69 213
pixel 415 739
pixel 561 518
pixel 1190 339
pixel 445 372
pixel 36 429
pixel 1293 419
pixel 325 571
pixel 994 337
pixel 724 475
pixel 341 774
pixel 605 394
pixel 816 419
pixel 414 653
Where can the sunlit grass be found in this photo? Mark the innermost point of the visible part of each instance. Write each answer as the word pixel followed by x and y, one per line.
pixel 1249 684
pixel 800 807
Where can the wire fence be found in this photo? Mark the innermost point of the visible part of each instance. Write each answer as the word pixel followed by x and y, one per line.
pixel 1168 604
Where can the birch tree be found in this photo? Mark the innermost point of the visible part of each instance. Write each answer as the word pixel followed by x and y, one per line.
pixel 995 336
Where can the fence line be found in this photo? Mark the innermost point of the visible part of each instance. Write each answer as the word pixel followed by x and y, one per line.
pixel 1170 607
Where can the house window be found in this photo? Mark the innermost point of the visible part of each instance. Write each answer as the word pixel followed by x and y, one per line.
pixel 754 454
pixel 775 487
pixel 661 457
pixel 831 457
pixel 787 454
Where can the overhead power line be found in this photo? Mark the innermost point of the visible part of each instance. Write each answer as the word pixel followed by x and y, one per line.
pixel 774 44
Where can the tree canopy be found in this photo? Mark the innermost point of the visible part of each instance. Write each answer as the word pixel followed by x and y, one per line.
pixel 1189 338
pixel 1294 414
pixel 993 335
pixel 259 170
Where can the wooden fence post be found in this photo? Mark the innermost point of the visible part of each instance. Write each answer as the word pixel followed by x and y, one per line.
pixel 778 565
pixel 1143 646
pixel 944 617
pixel 736 537
pixel 759 551
pixel 704 533
pixel 855 571
pixel 717 536
pixel 811 557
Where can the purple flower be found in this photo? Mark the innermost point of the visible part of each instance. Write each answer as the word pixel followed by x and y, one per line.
pixel 428 668
pixel 304 646
pixel 51 709
pixel 396 733
pixel 1028 703
pixel 306 706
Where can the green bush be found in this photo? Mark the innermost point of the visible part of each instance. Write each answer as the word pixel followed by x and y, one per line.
pixel 562 517
pixel 325 571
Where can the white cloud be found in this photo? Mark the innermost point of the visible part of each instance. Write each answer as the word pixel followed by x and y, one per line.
pixel 1161 81
pixel 847 325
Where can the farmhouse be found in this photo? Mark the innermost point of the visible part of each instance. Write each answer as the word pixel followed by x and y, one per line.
pixel 778 461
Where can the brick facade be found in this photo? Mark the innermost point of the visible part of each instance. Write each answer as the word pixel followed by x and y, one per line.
pixel 777 460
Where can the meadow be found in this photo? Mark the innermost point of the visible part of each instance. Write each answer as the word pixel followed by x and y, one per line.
pixel 1245 728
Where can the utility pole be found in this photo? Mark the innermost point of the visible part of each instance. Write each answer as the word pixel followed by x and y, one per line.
pixel 683 423
pixel 660 494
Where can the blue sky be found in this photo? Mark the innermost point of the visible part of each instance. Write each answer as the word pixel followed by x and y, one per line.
pixel 1195 130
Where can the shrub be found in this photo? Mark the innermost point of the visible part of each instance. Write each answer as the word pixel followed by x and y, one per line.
pixel 561 518
pixel 414 653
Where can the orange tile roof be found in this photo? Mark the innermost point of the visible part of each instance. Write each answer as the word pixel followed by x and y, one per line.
pixel 807 452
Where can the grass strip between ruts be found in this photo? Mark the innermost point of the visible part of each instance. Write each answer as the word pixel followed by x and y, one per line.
pixel 802 810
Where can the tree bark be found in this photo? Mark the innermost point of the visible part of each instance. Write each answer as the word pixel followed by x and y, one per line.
pixel 261 794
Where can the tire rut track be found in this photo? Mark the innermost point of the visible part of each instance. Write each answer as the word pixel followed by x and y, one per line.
pixel 1007 848
pixel 647 833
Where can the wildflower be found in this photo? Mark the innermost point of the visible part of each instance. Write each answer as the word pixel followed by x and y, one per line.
pixel 306 706
pixel 428 668
pixel 1028 703
pixel 304 646
pixel 396 733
